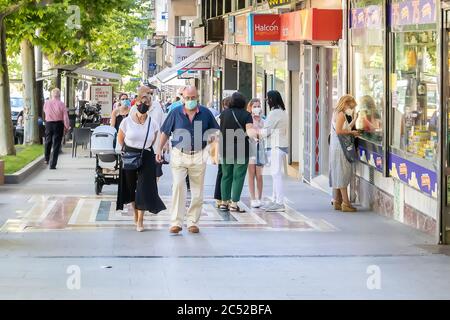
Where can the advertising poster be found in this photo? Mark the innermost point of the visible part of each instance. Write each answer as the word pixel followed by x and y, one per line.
pixel 103 94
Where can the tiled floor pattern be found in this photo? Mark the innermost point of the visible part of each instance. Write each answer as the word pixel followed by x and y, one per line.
pixel 49 213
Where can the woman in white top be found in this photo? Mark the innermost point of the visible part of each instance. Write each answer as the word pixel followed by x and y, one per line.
pixel 139 187
pixel 255 169
pixel 276 133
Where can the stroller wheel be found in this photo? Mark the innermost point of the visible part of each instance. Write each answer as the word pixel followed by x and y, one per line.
pixel 98 187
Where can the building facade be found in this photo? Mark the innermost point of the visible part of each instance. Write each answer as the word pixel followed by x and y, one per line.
pixel 392 55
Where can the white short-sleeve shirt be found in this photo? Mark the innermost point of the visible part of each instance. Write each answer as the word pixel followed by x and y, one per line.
pixel 135 132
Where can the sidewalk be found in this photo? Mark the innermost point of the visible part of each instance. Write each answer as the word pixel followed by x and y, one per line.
pixel 54 220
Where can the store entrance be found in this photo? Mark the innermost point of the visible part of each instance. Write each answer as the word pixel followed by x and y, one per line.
pixel 321 93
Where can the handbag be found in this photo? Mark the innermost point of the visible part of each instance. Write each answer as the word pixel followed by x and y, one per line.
pixel 133 160
pixel 347 143
pixel 261 156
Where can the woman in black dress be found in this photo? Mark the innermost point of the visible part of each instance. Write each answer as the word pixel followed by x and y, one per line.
pixel 139 187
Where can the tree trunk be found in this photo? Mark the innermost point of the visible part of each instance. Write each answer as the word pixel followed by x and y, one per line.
pixel 30 110
pixel 6 127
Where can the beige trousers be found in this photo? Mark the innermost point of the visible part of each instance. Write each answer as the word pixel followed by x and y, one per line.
pixel 193 165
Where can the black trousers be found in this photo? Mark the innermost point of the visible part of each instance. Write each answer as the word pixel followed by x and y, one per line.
pixel 54 131
pixel 217 190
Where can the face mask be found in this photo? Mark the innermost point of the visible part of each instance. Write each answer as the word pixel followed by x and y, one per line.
pixel 191 104
pixel 349 112
pixel 126 103
pixel 143 108
pixel 256 111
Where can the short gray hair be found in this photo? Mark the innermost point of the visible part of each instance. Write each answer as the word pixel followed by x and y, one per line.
pixel 56 92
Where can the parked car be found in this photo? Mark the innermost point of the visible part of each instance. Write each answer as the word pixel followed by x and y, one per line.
pixel 16 107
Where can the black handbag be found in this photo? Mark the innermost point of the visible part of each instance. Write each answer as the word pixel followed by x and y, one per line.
pixel 348 146
pixel 133 160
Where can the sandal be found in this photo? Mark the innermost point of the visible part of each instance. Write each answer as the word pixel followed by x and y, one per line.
pixel 223 207
pixel 236 209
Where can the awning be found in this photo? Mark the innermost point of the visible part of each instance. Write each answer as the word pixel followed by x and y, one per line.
pixel 97 74
pixel 77 69
pixel 170 73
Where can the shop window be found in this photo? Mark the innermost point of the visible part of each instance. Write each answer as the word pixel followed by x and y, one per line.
pixel 204 9
pixel 368 69
pixel 414 84
pixel 214 8
pixel 228 4
pixel 219 7
pixel 280 81
pixel 208 9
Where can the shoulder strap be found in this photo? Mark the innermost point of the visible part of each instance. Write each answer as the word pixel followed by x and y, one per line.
pixel 235 119
pixel 146 136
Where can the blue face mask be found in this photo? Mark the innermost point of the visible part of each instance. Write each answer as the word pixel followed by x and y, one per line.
pixel 126 103
pixel 191 104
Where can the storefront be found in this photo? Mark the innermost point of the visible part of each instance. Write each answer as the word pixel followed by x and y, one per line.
pixel 238 63
pixel 394 63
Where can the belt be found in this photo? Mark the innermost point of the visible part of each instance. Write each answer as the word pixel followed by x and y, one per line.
pixel 192 152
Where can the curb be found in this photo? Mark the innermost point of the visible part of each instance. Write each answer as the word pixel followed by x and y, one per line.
pixel 25 172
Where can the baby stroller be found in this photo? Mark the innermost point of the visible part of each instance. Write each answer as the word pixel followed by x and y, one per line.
pixel 102 145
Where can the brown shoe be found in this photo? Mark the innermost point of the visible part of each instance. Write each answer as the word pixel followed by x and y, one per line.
pixel 337 206
pixel 348 208
pixel 193 229
pixel 175 229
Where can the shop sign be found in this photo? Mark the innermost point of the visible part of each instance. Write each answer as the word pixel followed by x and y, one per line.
pixel 296 26
pixel 413 12
pixel 182 74
pixel 309 24
pixel 264 28
pixel 240 29
pixel 103 95
pixel 369 17
pixel 414 175
pixel 276 3
pixel 182 52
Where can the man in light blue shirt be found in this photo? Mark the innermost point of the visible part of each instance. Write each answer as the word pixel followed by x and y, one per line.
pixel 177 103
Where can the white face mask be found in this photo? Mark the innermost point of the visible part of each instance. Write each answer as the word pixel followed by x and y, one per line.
pixel 349 112
pixel 256 111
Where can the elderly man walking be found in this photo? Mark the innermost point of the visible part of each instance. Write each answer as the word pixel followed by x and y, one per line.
pixel 191 125
pixel 56 124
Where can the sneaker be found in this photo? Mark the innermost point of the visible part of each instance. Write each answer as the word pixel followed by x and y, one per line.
pixel 267 205
pixel 276 208
pixel 255 203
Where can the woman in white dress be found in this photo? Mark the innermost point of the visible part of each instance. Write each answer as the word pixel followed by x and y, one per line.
pixel 340 168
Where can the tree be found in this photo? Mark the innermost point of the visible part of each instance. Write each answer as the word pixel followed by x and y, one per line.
pixel 30 109
pixel 64 40
pixel 6 129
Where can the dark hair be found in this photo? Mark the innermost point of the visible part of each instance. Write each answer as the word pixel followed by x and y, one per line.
pixel 123 94
pixel 274 99
pixel 177 99
pixel 238 101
